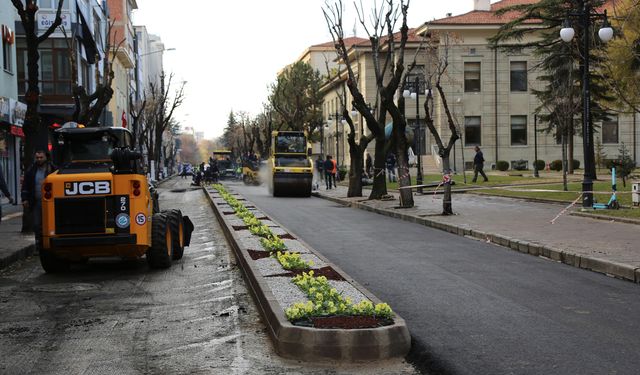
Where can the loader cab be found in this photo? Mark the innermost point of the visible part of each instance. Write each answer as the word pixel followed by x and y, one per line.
pixel 91 150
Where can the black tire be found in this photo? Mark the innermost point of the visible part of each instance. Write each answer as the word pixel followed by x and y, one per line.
pixel 51 263
pixel 160 254
pixel 176 225
pixel 246 180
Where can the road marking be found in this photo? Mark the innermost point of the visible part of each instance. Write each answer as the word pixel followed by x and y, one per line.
pixel 11 216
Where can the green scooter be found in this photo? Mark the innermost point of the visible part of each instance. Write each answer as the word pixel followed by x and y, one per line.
pixel 613 203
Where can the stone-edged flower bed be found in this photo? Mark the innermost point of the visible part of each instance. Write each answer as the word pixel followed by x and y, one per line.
pixel 323 299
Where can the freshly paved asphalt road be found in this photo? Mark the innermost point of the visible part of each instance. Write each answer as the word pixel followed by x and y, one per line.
pixel 115 317
pixel 473 307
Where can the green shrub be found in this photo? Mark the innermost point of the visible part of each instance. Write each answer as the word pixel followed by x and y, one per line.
pixel 576 164
pixel 342 172
pixel 502 165
pixel 539 164
pixel 556 165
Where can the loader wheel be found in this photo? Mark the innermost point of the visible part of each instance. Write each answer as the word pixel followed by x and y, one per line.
pixel 160 253
pixel 176 225
pixel 51 263
pixel 246 180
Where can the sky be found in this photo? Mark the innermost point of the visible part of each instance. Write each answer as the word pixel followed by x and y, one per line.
pixel 229 51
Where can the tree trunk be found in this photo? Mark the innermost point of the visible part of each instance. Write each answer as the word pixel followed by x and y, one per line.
pixel 404 177
pixel 570 152
pixel 355 170
pixel 379 188
pixel 158 149
pixel 447 206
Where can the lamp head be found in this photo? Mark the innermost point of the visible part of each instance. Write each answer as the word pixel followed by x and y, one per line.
pixel 567 32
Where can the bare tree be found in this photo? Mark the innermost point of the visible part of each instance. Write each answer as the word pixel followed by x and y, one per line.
pixel 159 114
pixel 89 107
pixel 436 71
pixel 35 133
pixel 388 63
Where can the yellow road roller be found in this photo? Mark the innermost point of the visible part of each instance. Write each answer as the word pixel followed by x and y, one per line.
pixel 290 163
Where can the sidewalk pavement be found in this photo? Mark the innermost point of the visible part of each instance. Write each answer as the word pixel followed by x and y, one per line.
pixel 608 247
pixel 13 244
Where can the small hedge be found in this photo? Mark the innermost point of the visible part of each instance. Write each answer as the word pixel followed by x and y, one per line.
pixel 539 165
pixel 502 165
pixel 556 165
pixel 576 164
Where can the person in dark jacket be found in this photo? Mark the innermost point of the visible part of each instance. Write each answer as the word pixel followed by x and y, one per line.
pixel 328 175
pixel 368 164
pixel 4 189
pixel 32 190
pixel 478 166
pixel 320 167
pixel 391 167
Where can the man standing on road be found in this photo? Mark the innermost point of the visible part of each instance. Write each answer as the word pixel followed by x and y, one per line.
pixel 32 191
pixel 4 189
pixel 478 165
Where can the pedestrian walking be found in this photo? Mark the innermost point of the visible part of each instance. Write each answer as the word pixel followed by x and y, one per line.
pixel 328 167
pixel 4 189
pixel 391 167
pixel 32 191
pixel 478 165
pixel 368 164
pixel 320 167
pixel 334 172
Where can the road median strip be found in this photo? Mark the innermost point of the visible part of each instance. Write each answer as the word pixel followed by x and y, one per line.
pixel 304 306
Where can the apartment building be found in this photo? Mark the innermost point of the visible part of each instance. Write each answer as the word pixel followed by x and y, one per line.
pixel 122 46
pixel 11 110
pixel 87 21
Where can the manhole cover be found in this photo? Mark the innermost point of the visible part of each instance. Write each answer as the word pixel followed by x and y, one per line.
pixel 58 288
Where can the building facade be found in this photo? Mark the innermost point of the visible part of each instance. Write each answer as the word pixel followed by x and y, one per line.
pixel 11 110
pixel 85 25
pixel 122 48
pixel 491 95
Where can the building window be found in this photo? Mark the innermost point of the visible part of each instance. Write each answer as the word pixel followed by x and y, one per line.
pixel 472 134
pixel 55 68
pixel 518 130
pixel 518 76
pixel 7 56
pixel 471 76
pixel 610 130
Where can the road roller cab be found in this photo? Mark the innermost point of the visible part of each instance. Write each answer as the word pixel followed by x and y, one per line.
pixel 291 165
pixel 99 203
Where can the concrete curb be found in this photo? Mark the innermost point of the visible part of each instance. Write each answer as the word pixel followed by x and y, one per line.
pixel 606 218
pixel 17 255
pixel 622 271
pixel 310 344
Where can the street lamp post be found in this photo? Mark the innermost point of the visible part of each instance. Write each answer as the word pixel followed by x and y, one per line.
pixel 416 95
pixel 605 33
